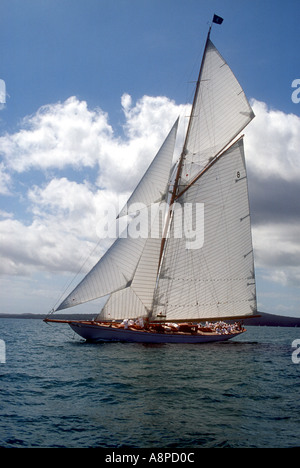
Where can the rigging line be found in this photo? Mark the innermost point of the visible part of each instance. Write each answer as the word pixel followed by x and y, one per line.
pixel 61 330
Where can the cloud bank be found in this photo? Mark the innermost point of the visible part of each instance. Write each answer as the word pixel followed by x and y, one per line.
pixel 273 158
pixel 79 163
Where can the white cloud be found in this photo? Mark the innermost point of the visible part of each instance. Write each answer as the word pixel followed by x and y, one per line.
pixel 273 143
pixel 38 247
pixel 273 160
pixel 69 134
pixel 5 180
pixel 58 135
pixel 71 207
pixel 278 252
pixel 146 126
pixel 63 233
pixel 6 214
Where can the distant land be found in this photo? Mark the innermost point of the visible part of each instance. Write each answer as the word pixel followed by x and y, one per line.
pixel 273 320
pixel 268 320
pixel 42 316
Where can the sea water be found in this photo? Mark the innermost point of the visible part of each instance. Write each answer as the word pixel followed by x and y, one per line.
pixel 58 391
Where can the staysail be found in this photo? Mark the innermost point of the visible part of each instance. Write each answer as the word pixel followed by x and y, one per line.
pixel 116 269
pixel 152 187
pixel 136 300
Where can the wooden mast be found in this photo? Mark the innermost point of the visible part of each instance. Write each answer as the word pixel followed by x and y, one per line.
pixel 174 193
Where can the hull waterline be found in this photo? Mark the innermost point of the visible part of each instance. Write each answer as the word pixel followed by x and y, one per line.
pixel 96 333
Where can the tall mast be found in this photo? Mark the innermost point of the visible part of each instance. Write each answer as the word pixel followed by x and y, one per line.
pixel 195 96
pixel 184 150
pixel 182 156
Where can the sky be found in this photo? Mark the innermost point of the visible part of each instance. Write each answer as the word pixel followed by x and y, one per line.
pixel 89 91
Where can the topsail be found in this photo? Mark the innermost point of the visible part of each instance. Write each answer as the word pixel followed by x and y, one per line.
pixel 220 112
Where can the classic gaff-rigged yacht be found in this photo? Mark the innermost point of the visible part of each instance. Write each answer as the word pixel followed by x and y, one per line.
pixel 162 288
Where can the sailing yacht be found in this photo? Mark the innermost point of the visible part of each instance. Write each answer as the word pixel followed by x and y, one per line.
pixel 176 288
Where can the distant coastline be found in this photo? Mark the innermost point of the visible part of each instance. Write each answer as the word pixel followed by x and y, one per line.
pixel 268 320
pixel 273 320
pixel 42 316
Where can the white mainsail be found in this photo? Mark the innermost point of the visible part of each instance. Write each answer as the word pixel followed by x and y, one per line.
pixel 217 280
pixel 162 278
